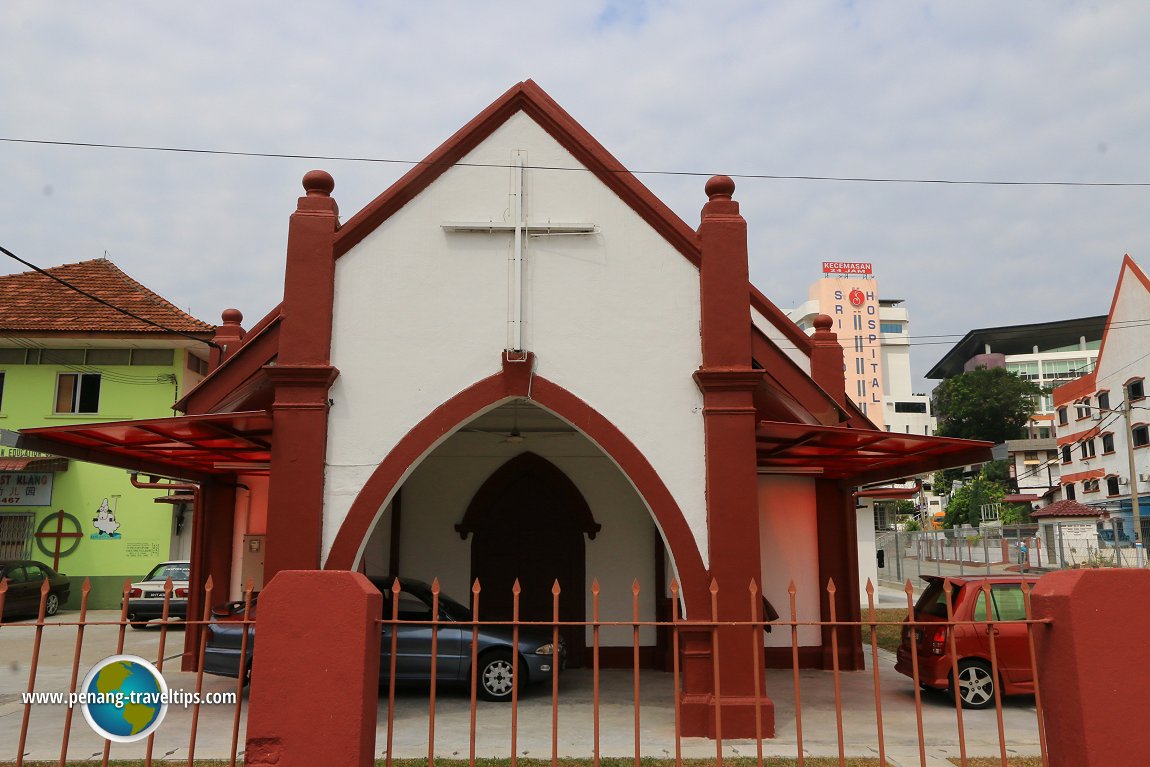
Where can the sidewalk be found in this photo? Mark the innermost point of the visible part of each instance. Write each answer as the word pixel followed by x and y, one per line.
pixel 575 714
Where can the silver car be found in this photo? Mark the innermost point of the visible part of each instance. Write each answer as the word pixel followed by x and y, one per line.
pixel 538 658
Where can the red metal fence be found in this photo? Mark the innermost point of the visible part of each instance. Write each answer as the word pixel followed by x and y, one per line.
pixel 803 701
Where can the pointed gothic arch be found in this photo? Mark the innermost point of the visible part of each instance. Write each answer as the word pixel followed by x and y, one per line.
pixel 516 379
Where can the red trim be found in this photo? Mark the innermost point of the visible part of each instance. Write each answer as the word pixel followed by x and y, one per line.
pixel 529 98
pixel 1068 479
pixel 1069 439
pixel 1086 384
pixel 239 383
pixel 516 380
pixel 781 321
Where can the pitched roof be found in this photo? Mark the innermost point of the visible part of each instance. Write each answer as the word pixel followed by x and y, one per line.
pixel 31 302
pixel 1067 508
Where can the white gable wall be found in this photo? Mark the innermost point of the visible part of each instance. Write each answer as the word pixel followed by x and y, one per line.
pixel 420 314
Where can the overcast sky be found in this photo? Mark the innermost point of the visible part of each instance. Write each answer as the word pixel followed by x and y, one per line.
pixel 985 91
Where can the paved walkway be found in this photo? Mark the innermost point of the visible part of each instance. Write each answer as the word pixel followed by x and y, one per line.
pixel 534 737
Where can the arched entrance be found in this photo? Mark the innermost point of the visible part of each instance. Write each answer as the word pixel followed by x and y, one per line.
pixel 527 523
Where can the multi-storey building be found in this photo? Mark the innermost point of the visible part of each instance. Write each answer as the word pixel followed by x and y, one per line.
pixel 1103 417
pixel 1047 353
pixel 875 334
pixel 65 359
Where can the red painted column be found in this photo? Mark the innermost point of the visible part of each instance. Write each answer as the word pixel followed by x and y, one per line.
pixel 728 382
pixel 827 367
pixel 1091 659
pixel 838 562
pixel 228 337
pixel 212 522
pixel 315 683
pixel 302 376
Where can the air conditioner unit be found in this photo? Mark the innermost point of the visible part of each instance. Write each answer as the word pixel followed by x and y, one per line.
pixel 1144 477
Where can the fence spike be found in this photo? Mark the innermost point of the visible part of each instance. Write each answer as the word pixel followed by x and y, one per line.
pixel 831 586
pixel 168 586
pixel 753 587
pixel 475 587
pixel 674 587
pixel 208 583
pixel 869 587
pixel 435 585
pixel 555 589
pixel 45 586
pixel 635 587
pixel 515 588
pixel 791 588
pixel 595 587
pixel 87 587
pixel 714 589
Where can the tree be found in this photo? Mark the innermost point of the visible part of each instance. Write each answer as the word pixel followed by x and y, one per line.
pixel 965 506
pixel 991 404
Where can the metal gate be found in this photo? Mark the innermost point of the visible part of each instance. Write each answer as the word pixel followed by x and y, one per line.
pixel 16 535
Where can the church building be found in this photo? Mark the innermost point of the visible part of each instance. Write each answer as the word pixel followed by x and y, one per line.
pixel 518 363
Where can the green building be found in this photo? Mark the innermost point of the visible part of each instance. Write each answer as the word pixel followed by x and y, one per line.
pixel 65 357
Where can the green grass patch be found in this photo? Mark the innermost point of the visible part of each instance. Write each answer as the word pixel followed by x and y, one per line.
pixel 888 636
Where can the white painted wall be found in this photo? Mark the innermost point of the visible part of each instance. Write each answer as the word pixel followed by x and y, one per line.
pixel 867 549
pixel 438 492
pixel 789 549
pixel 421 314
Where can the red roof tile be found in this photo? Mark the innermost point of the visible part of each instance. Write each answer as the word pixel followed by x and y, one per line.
pixel 1067 508
pixel 33 302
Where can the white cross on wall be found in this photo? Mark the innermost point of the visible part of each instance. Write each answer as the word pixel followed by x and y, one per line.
pixel 521 229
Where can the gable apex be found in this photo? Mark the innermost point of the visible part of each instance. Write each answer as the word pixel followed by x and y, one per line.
pixel 532 100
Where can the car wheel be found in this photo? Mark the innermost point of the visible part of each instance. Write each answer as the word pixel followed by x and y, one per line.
pixel 136 623
pixel 495 677
pixel 976 688
pixel 52 605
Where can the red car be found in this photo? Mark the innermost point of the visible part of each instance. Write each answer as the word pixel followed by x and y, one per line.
pixel 977 686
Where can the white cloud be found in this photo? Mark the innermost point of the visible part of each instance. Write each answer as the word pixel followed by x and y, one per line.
pixel 974 90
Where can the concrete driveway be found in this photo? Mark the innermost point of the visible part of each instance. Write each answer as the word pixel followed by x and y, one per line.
pixel 493 732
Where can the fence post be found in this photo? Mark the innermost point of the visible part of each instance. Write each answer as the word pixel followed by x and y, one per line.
pixel 1094 678
pixel 315 679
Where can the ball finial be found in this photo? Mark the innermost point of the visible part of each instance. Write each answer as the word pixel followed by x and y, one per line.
pixel 823 323
pixel 720 188
pixel 318 183
pixel 232 316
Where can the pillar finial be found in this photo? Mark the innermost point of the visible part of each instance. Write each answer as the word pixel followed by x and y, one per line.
pixel 720 188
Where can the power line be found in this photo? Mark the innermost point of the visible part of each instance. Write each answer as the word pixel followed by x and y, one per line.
pixel 699 174
pixel 99 300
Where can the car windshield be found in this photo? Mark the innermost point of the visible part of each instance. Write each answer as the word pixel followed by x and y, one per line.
pixel 174 570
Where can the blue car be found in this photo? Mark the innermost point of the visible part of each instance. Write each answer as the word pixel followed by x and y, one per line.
pixel 538 658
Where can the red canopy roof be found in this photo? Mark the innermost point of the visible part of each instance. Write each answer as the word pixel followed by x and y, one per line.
pixel 184 447
pixel 198 446
pixel 861 456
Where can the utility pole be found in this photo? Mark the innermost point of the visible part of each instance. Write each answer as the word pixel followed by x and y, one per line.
pixel 1128 414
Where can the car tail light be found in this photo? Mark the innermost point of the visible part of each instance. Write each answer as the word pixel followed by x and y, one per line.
pixel 937 643
pixel 181 593
pixel 135 593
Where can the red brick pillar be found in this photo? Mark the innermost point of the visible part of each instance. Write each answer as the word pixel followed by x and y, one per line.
pixel 315 677
pixel 1092 670
pixel 302 376
pixel 727 382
